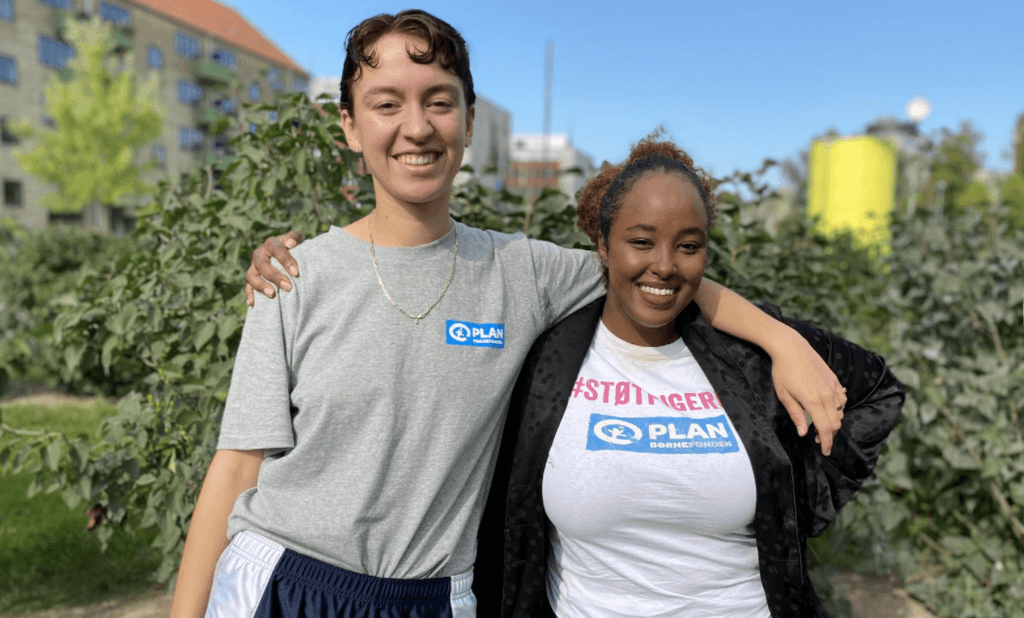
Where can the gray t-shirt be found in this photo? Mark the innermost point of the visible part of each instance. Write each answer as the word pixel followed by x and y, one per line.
pixel 382 433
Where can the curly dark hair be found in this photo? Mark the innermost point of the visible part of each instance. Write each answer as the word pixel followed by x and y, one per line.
pixel 444 44
pixel 600 200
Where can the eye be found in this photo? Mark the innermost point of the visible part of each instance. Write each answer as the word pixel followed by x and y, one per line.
pixel 386 106
pixel 442 104
pixel 690 247
pixel 641 243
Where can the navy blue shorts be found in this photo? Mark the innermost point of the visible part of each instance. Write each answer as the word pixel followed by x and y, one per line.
pixel 258 578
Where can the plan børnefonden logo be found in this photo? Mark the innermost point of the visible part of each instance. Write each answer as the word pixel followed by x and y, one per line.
pixel 458 332
pixel 661 434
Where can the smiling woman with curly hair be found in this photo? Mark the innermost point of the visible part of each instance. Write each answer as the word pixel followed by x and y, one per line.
pixel 647 466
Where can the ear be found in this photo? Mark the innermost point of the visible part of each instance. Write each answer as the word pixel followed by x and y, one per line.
pixel 470 114
pixel 602 250
pixel 348 126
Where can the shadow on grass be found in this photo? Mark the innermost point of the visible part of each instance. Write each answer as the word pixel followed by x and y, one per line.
pixel 47 558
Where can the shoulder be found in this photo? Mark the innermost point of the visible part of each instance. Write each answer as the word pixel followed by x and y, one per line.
pixel 476 243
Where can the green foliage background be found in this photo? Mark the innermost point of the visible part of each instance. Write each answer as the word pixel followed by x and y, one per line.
pixel 160 325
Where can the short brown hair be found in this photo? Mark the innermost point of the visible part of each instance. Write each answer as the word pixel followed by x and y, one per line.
pixel 444 44
pixel 648 157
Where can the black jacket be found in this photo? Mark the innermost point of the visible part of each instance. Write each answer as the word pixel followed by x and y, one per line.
pixel 799 491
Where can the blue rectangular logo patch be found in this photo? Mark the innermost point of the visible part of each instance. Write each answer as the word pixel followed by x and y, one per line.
pixel 662 434
pixel 458 332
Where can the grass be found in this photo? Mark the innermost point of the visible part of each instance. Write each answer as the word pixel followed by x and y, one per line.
pixel 47 558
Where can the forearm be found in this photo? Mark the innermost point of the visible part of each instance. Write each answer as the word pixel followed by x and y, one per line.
pixel 230 473
pixel 730 313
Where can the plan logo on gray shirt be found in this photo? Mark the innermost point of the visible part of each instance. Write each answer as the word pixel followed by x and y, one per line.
pixel 458 332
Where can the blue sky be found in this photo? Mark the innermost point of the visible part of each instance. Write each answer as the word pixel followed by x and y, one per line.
pixel 733 82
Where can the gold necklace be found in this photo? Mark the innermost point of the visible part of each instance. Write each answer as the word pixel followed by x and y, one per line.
pixel 376 271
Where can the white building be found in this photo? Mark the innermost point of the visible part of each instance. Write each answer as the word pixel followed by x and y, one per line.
pixel 489 152
pixel 539 162
pixel 325 85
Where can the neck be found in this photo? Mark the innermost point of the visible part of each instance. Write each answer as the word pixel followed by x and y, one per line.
pixel 407 227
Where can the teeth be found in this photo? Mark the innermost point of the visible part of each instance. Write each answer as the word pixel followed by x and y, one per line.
pixel 657 291
pixel 424 159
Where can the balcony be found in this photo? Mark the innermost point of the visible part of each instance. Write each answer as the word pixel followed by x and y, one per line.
pixel 58 21
pixel 124 39
pixel 210 72
pixel 206 116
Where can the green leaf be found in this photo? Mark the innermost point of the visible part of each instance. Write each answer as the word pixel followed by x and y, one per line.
pixel 205 333
pixel 107 354
pixel 52 456
pixel 71 497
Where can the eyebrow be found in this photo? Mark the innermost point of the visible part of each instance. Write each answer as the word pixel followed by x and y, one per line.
pixel 382 90
pixel 643 227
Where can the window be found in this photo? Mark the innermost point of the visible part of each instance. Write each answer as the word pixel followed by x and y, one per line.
pixel 59 4
pixel 186 45
pixel 8 70
pixel 116 14
pixel 53 53
pixel 299 84
pixel 7 9
pixel 190 139
pixel 228 106
pixel 189 93
pixel 156 57
pixel 160 156
pixel 12 193
pixel 7 136
pixel 254 92
pixel 220 147
pixel 274 77
pixel 224 58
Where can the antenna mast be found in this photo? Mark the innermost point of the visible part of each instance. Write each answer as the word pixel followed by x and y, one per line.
pixel 549 70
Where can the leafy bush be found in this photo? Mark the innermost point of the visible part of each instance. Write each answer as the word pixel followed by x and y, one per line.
pixel 951 487
pixel 39 274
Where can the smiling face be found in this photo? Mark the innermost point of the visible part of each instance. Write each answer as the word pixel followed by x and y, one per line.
pixel 411 124
pixel 655 253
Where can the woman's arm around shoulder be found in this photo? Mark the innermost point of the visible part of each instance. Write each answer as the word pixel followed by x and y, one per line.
pixel 874 400
pixel 230 473
pixel 804 383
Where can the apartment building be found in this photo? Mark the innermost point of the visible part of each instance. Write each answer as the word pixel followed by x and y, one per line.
pixel 543 161
pixel 209 60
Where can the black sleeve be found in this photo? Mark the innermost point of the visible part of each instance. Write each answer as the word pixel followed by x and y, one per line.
pixel 874 399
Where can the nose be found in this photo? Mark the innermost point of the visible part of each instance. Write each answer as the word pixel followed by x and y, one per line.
pixel 417 126
pixel 663 262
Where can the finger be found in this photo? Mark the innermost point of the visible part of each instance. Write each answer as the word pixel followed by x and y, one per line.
pixel 272 247
pixel 253 278
pixel 250 298
pixel 279 251
pixel 796 413
pixel 825 426
pixel 292 239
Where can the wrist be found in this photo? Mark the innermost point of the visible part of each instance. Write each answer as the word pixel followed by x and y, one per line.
pixel 780 338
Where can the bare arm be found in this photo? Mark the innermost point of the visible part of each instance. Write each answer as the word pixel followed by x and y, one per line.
pixel 803 381
pixel 230 473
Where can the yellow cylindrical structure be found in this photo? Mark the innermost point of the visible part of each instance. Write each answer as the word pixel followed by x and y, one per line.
pixel 852 187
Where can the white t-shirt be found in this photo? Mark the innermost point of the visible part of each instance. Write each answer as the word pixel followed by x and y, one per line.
pixel 650 493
